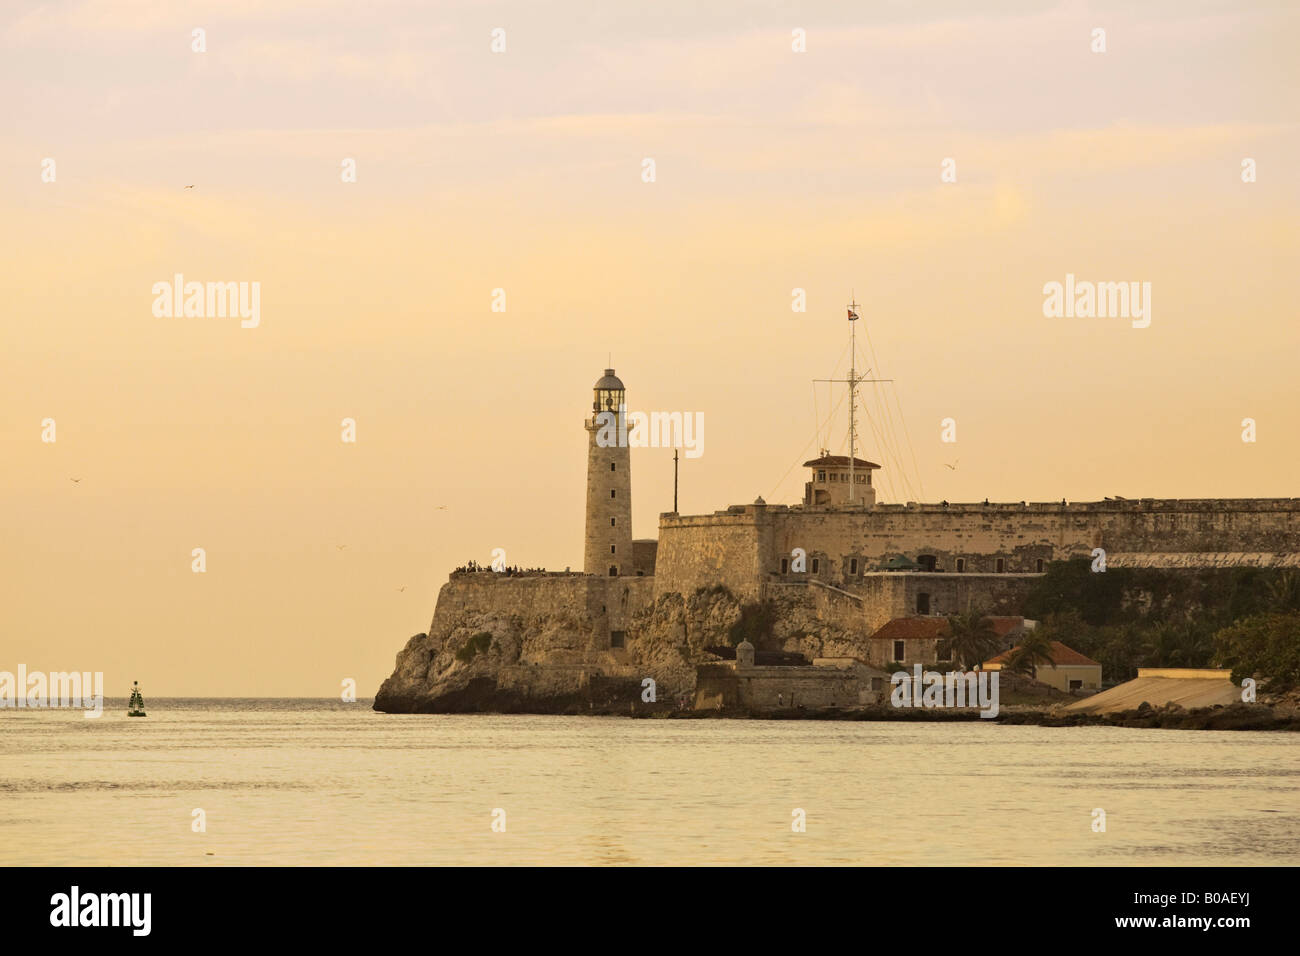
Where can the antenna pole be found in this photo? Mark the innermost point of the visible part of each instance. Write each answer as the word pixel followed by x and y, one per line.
pixel 853 381
pixel 674 481
pixel 853 394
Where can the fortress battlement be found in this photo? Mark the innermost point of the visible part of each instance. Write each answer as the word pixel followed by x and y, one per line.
pixel 1108 506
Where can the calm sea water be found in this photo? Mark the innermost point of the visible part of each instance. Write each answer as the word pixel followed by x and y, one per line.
pixel 322 782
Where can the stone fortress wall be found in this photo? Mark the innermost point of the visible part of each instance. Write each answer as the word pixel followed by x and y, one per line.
pixel 583 610
pixel 742 548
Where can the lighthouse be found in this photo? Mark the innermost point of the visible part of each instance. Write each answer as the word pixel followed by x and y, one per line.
pixel 608 545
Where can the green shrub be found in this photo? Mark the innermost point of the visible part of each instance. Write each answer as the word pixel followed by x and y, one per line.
pixel 1266 646
pixel 478 644
pixel 714 591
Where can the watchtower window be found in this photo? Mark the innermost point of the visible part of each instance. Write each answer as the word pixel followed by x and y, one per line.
pixel 926 561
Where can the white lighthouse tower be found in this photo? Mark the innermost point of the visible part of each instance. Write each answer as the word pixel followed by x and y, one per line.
pixel 608 547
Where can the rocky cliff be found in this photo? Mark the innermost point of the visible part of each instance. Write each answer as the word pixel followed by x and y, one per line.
pixel 543 644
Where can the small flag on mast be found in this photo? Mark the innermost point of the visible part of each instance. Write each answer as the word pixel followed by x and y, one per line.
pixel 852 315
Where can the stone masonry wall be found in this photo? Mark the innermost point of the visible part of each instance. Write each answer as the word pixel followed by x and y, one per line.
pixel 742 546
pixel 705 550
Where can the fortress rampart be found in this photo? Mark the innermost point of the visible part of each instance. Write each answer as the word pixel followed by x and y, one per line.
pixel 743 547
pixel 582 609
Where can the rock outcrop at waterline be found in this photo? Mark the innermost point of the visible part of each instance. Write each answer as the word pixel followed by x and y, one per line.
pixel 532 644
pixel 542 644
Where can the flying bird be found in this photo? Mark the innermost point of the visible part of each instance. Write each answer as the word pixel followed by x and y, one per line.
pixel 340 546
pixel 190 186
pixel 953 466
pixel 402 588
pixel 74 480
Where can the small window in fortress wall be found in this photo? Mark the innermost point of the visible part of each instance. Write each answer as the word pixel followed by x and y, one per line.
pixel 1002 565
pixel 1040 565
pixel 853 566
pixel 821 476
pixel 899 651
pixel 785 565
pixel 613 571
pixel 816 565
pixel 612 548
pixel 613 493
pixel 961 565
pixel 613 466
pixel 618 638
pixel 923 603
pixel 613 522
pixel 926 561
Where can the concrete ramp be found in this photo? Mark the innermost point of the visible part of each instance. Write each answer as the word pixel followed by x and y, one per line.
pixel 1158 686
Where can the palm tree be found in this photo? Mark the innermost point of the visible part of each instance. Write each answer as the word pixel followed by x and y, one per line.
pixel 1034 649
pixel 971 638
pixel 1179 644
pixel 1284 592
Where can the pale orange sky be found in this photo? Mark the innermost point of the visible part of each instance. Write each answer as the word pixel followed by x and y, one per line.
pixel 522 171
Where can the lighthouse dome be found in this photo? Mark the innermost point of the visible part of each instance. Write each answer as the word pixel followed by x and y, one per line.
pixel 608 393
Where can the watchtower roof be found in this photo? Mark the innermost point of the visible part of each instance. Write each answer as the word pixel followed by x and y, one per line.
pixel 610 381
pixel 838 461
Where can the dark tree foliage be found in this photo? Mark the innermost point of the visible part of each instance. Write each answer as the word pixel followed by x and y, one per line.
pixel 755 624
pixel 1265 646
pixel 1126 618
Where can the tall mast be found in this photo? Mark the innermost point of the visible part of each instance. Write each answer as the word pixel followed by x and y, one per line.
pixel 853 381
pixel 853 393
